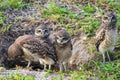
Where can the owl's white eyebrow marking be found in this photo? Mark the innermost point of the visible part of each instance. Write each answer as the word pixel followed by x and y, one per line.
pixel 60 37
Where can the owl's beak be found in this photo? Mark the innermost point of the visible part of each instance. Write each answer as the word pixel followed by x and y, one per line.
pixel 43 32
pixel 110 19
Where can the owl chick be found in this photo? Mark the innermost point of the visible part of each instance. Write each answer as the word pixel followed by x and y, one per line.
pixel 63 48
pixel 35 48
pixel 106 35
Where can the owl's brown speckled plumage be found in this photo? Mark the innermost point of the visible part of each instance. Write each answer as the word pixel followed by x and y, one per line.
pixel 14 49
pixel 36 47
pixel 63 48
pixel 106 35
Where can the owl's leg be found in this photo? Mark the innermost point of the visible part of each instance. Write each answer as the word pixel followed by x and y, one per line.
pixel 29 62
pixel 49 66
pixel 108 56
pixel 61 67
pixel 65 66
pixel 103 57
pixel 45 66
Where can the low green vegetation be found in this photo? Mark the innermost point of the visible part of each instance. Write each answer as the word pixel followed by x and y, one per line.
pixel 89 8
pixel 60 15
pixel 69 19
pixel 17 4
pixel 2 17
pixel 6 28
pixel 96 71
pixel 2 20
pixel 17 76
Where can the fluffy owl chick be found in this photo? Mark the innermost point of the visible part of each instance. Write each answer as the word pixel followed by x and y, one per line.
pixel 24 45
pixel 39 48
pixel 63 48
pixel 106 35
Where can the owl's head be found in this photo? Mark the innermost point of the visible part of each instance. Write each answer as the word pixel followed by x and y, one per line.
pixel 62 37
pixel 42 31
pixel 109 18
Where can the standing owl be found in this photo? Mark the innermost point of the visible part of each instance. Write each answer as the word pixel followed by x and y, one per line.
pixel 106 35
pixel 63 48
pixel 35 48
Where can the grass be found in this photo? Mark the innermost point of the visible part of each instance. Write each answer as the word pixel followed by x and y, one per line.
pixel 59 15
pixel 17 4
pixel 2 20
pixel 96 71
pixel 6 28
pixel 89 8
pixel 2 17
pixel 17 76
pixel 108 71
pixel 69 19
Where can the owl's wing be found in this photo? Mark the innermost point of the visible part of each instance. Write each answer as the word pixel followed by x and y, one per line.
pixel 23 38
pixel 51 50
pixel 39 47
pixel 33 45
pixel 100 36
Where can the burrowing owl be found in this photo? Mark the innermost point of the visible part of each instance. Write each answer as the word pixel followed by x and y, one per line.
pixel 106 35
pixel 36 48
pixel 63 48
